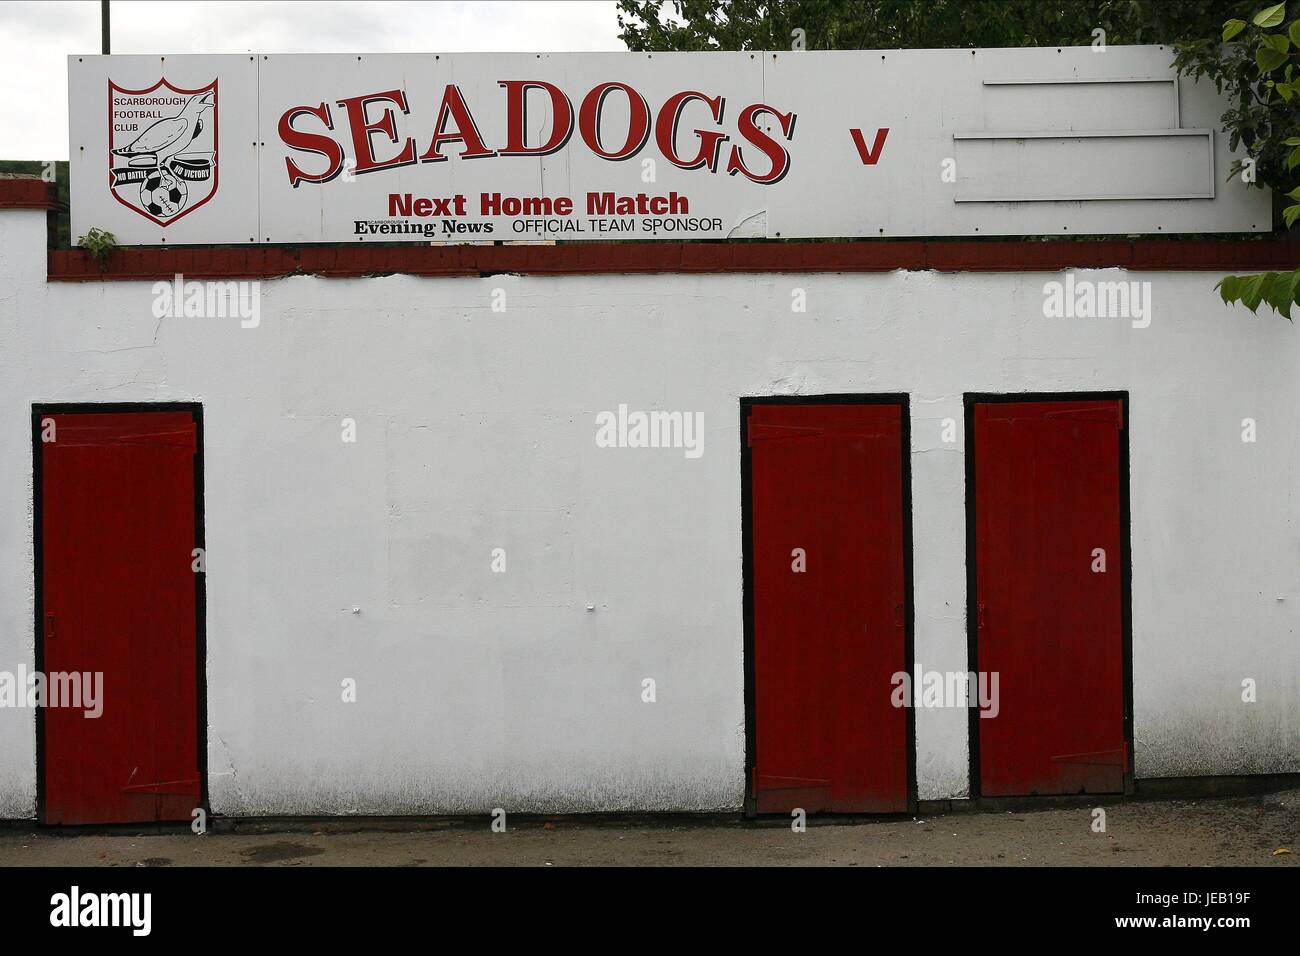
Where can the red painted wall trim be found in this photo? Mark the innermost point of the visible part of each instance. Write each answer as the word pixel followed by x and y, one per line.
pixel 266 262
pixel 26 193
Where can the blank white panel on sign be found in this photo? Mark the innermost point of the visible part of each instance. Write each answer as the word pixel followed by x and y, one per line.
pixel 1101 166
pixel 1071 166
pixel 1062 105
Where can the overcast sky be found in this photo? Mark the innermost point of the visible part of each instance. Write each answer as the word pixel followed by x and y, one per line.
pixel 36 38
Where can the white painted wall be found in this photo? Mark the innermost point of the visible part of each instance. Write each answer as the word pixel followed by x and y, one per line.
pixel 476 431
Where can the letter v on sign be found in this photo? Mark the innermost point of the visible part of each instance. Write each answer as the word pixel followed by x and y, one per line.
pixel 870 156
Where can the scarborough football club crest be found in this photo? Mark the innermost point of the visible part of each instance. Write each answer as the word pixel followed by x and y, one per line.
pixel 162 149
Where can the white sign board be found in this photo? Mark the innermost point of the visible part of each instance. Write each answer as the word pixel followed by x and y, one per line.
pixel 472 147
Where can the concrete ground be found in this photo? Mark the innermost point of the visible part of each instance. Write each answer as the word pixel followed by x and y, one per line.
pixel 1243 831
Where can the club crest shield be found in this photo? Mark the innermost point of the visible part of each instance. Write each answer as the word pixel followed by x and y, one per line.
pixel 162 149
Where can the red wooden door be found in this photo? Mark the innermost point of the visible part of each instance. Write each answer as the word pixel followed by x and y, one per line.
pixel 827 484
pixel 1049 620
pixel 119 598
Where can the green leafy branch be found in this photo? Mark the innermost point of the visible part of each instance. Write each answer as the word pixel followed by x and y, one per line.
pixel 1273 51
pixel 1276 289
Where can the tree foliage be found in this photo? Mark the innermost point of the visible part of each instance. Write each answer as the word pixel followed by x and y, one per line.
pixel 1256 60
pixel 1256 65
pixel 656 25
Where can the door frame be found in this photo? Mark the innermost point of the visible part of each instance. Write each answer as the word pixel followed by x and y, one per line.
pixel 971 399
pixel 39 411
pixel 903 401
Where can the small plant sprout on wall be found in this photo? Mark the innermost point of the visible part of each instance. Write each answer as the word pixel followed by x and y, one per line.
pixel 99 244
